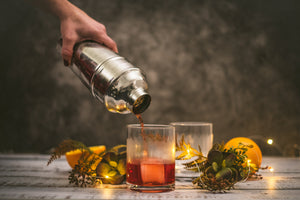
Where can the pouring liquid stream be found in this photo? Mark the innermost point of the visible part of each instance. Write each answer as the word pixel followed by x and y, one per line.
pixel 139 117
pixel 141 121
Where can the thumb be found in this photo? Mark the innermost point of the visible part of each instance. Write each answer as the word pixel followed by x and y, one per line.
pixel 67 50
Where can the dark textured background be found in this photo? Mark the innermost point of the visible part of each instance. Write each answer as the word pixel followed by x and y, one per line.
pixel 232 63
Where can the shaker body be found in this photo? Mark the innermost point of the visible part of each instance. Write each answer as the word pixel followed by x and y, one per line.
pixel 111 78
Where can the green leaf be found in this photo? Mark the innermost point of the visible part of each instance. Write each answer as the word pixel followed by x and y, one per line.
pixel 103 169
pixel 113 164
pixel 224 173
pixel 122 166
pixel 215 156
pixel 116 149
pixel 111 173
pixel 229 160
pixel 235 174
pixel 110 156
pixel 117 179
pixel 223 164
pixel 215 166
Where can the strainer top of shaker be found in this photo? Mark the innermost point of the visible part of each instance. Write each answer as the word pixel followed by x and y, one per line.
pixel 141 101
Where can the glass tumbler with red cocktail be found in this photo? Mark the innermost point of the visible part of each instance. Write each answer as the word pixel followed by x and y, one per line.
pixel 150 158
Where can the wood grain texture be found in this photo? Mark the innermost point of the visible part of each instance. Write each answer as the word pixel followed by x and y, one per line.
pixel 28 177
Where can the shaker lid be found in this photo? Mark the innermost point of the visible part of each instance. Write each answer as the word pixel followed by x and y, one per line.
pixel 140 100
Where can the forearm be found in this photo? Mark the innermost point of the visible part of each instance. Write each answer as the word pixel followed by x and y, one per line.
pixel 75 26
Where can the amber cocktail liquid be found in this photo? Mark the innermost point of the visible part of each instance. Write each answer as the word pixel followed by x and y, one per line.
pixel 150 172
pixel 151 158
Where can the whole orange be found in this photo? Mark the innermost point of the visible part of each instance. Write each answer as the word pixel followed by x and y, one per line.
pixel 254 154
pixel 73 156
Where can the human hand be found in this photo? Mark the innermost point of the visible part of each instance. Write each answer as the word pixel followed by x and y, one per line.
pixel 75 26
pixel 78 27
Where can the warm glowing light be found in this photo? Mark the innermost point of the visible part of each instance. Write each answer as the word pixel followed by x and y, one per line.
pixel 173 150
pixel 270 141
pixel 188 151
pixel 248 162
pixel 271 169
pixel 272 183
pixel 108 193
pixel 188 155
pixel 106 176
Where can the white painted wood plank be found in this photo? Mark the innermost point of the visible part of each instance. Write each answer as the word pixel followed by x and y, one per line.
pixel 40 161
pixel 28 177
pixel 268 183
pixel 282 164
pixel 100 193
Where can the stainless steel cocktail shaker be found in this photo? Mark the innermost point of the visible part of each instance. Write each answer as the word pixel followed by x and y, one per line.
pixel 110 78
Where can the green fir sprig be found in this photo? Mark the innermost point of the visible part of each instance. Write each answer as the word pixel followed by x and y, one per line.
pixel 83 174
pixel 221 169
pixel 106 167
pixel 64 147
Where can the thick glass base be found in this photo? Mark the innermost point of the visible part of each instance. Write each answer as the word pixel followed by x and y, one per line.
pixel 151 189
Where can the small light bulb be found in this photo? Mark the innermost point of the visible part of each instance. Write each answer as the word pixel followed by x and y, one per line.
pixel 248 162
pixel 188 151
pixel 270 141
pixel 106 176
pixel 271 169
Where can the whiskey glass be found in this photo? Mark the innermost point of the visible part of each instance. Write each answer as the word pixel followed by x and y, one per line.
pixel 194 134
pixel 150 158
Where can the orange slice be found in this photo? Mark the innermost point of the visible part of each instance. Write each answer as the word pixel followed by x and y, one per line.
pixel 73 156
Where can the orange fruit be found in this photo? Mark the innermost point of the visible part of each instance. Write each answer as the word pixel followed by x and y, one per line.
pixel 73 156
pixel 254 154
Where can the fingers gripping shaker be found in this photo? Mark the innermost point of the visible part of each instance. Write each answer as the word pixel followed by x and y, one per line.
pixel 110 78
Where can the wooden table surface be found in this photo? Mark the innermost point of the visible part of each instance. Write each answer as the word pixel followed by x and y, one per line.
pixel 28 177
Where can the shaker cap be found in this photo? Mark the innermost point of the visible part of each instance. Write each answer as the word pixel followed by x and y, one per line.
pixel 139 99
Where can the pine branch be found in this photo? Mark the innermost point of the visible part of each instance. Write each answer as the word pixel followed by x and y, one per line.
pixel 64 147
pixel 116 149
pixel 83 175
pixel 89 171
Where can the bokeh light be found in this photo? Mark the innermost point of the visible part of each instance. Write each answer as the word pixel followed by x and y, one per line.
pixel 270 141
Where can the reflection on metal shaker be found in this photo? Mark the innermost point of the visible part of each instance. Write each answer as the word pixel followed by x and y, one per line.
pixel 110 78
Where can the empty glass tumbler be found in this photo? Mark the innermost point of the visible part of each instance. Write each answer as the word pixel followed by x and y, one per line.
pixel 194 134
